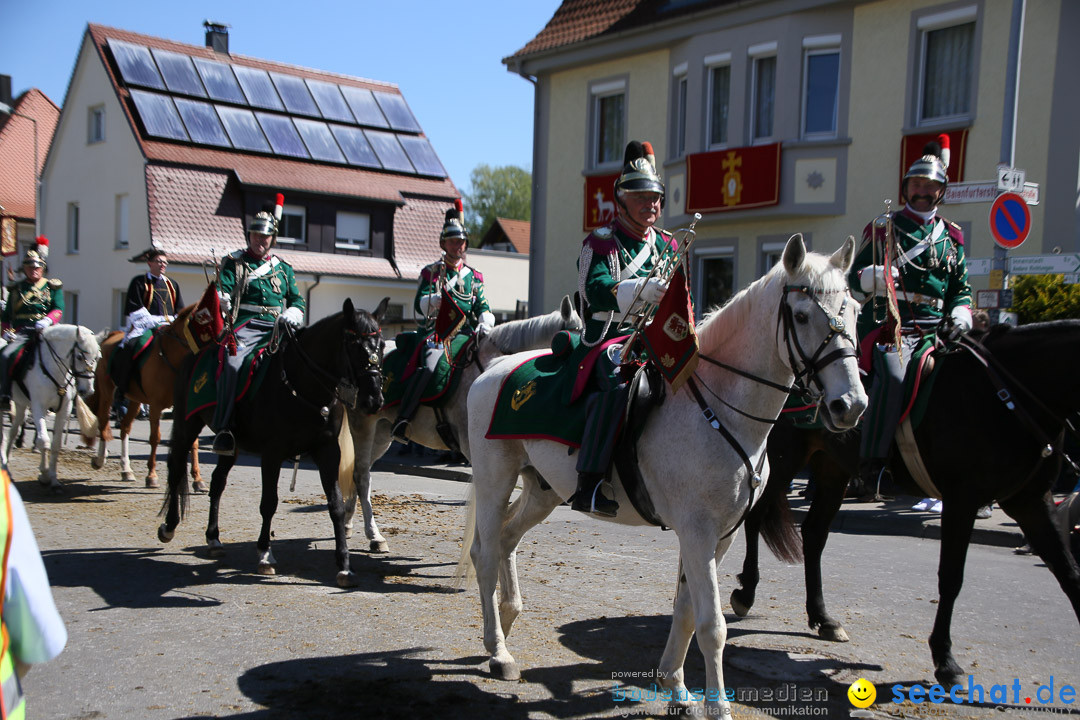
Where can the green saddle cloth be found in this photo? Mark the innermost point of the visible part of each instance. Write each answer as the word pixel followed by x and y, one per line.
pixel 532 401
pixel 202 385
pixel 141 345
pixel 400 363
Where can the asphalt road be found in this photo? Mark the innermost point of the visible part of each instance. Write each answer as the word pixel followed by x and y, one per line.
pixel 163 631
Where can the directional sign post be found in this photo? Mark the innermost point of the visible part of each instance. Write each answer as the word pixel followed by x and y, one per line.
pixel 1010 220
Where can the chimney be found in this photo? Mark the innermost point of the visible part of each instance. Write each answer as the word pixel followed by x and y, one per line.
pixel 217 36
pixel 5 90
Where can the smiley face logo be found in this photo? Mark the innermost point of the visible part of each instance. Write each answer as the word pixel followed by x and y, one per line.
pixel 862 693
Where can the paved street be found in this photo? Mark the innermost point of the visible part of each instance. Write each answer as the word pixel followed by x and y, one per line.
pixel 163 631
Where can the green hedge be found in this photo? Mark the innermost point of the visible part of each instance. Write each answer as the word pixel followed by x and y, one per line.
pixel 1044 297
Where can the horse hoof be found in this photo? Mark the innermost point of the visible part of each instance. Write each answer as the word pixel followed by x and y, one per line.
pixel 737 605
pixel 97 463
pixel 266 569
pixel 57 489
pixel 347 579
pixel 949 676
pixel 164 534
pixel 127 476
pixel 198 487
pixel 504 669
pixel 379 546
pixel 152 483
pixel 833 633
pixel 215 549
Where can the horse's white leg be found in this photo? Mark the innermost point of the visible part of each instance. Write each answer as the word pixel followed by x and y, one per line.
pixel 700 552
pixel 670 673
pixel 98 461
pixel 527 511
pixel 493 482
pixel 50 473
pixel 369 448
pixel 126 473
pixel 267 563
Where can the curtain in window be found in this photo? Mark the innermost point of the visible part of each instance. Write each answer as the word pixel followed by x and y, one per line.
pixel 947 71
pixel 764 96
pixel 718 111
pixel 822 80
pixel 610 131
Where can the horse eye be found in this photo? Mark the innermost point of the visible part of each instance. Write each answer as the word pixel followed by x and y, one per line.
pixel 801 317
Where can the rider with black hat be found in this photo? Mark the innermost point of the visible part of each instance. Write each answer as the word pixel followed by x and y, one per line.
pixel 612 269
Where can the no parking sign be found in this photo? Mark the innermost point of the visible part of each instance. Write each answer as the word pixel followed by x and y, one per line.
pixel 1010 220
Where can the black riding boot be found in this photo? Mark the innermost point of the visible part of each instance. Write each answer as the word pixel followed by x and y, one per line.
pixel 410 402
pixel 589 498
pixel 121 369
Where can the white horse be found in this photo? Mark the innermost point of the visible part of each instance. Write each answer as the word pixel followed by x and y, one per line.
pixel 62 367
pixel 371 433
pixel 702 467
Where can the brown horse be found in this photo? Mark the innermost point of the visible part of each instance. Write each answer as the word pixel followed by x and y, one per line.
pixel 152 384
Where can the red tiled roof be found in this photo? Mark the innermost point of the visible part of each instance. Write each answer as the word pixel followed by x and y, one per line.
pixel 195 216
pixel 18 175
pixel 262 170
pixel 516 232
pixel 580 20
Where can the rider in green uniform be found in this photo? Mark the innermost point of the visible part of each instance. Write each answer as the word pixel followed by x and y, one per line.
pixel 33 304
pixel 465 285
pixel 929 273
pixel 612 269
pixel 256 287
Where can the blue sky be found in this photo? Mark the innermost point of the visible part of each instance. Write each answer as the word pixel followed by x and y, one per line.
pixel 444 56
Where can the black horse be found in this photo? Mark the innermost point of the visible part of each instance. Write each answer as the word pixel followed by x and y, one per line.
pixel 300 408
pixel 961 440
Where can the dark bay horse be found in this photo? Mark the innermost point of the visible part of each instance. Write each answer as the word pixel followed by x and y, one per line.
pixel 976 448
pixel 153 386
pixel 300 408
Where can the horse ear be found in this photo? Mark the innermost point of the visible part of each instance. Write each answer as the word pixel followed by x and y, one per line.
pixel 794 254
pixel 349 311
pixel 844 255
pixel 566 308
pixel 380 311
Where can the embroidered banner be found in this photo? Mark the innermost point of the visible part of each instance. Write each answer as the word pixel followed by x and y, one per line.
pixel 736 179
pixel 599 200
pixel 671 340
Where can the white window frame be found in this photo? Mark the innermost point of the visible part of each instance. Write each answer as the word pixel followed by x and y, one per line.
pixel 295 210
pixel 95 124
pixel 681 87
pixel 820 45
pixel 967 15
pixel 122 219
pixel 757 54
pixel 73 228
pixel 352 243
pixel 769 248
pixel 712 64
pixel 598 93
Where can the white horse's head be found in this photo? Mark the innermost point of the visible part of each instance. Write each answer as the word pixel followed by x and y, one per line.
pixel 817 328
pixel 86 352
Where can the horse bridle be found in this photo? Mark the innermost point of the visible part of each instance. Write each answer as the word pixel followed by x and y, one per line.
pixel 812 366
pixel 344 390
pixel 70 370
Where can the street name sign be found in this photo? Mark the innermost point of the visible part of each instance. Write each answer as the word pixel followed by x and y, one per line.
pixel 986 191
pixel 1044 264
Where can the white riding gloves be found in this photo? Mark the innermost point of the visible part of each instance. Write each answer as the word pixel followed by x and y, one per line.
pixel 43 323
pixel 225 301
pixel 961 317
pixel 652 291
pixel 487 319
pixel 294 316
pixel 872 274
pixel 429 304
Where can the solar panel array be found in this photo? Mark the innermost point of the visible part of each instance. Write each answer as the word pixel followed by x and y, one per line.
pixel 218 104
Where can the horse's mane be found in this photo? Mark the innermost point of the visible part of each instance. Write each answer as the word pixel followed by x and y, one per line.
pixel 816 273
pixel 518 335
pixel 1004 336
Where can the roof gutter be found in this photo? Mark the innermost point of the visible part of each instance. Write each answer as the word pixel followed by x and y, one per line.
pixel 307 298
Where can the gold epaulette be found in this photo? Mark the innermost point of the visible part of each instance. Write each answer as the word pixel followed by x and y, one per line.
pixel 55 284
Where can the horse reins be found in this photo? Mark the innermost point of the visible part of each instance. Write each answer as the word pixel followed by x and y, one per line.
pixel 70 371
pixel 341 389
pixel 812 365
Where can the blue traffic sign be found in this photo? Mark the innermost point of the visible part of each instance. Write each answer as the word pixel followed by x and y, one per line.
pixel 1010 220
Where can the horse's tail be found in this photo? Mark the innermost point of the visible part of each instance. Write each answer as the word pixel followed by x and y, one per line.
pixel 347 464
pixel 779 531
pixel 88 420
pixel 465 573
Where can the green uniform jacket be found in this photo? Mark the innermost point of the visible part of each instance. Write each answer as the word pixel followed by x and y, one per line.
pixel 930 285
pixel 269 286
pixel 465 285
pixel 605 249
pixel 27 303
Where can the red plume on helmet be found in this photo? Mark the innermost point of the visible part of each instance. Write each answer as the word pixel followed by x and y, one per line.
pixel 454 224
pixel 279 206
pixel 943 141
pixel 42 244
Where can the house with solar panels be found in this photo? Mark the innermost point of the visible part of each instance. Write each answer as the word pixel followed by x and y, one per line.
pixel 164 144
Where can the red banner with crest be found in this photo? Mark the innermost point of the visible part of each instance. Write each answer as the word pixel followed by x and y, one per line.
pixel 735 179
pixel 599 201
pixel 670 339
